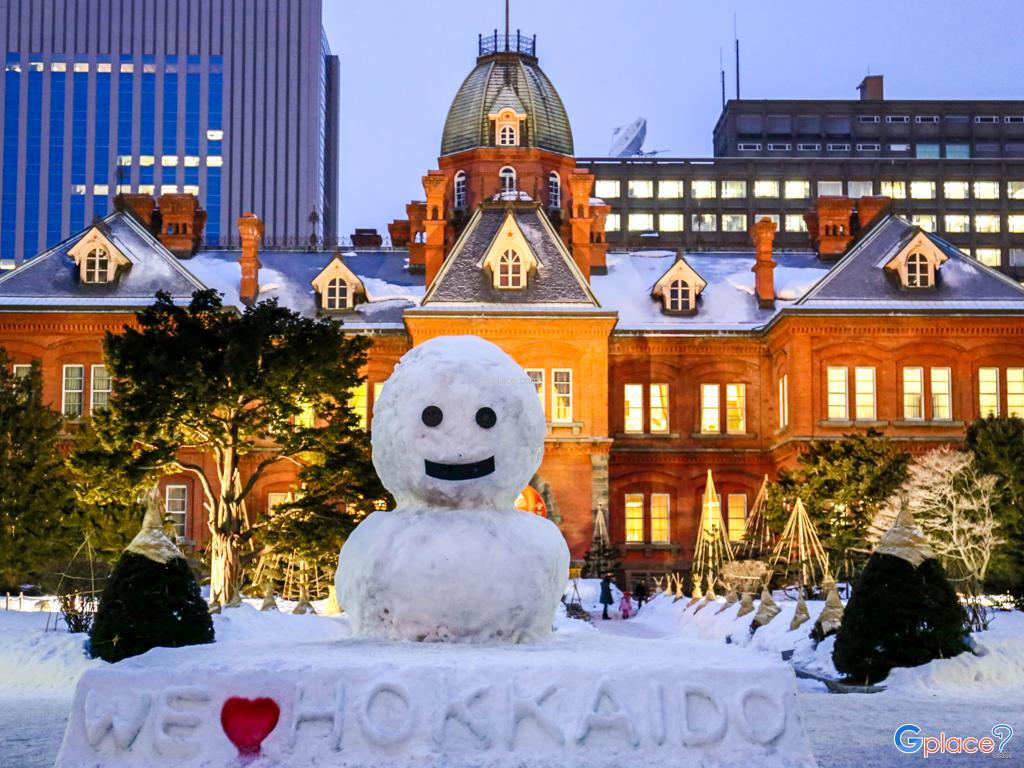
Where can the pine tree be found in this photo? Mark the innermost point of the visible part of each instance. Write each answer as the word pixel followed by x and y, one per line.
pixel 151 600
pixel 599 560
pixel 36 504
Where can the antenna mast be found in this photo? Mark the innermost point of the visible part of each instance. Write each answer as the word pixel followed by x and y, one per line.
pixel 721 72
pixel 737 39
pixel 506 26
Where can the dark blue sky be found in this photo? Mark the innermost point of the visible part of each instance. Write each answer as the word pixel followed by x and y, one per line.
pixel 403 60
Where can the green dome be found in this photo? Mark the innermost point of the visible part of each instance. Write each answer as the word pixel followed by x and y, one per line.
pixel 499 80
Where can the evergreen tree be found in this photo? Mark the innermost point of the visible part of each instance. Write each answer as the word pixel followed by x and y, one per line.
pixel 234 387
pixel 899 615
pixel 36 504
pixel 151 600
pixel 599 560
pixel 842 484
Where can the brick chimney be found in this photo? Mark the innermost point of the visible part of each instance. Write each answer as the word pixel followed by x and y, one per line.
pixel 870 208
pixel 142 207
pixel 763 235
pixel 182 221
pixel 580 220
pixel 830 226
pixel 435 184
pixel 872 88
pixel 250 228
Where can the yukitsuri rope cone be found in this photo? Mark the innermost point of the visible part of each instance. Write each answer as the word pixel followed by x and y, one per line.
pixel 799 544
pixel 756 543
pixel 712 550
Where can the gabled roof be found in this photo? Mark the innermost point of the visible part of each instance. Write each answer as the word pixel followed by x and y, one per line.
pixel 337 267
pixel 680 270
pixel 51 280
pixel 507 98
pixel 860 282
pixel 462 280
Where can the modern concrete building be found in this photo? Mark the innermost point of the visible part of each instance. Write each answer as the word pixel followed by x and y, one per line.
pixel 234 102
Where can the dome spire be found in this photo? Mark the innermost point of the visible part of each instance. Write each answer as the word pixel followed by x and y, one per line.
pixel 506 25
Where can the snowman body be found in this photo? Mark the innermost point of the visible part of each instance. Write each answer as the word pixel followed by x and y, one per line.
pixel 457 433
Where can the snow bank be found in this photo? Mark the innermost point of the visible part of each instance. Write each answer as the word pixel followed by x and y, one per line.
pixel 34 661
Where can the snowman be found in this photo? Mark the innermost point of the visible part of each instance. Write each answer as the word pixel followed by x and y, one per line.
pixel 457 433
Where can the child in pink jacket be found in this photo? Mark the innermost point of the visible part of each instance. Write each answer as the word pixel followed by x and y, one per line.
pixel 626 605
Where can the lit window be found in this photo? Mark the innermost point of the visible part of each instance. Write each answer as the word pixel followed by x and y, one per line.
pixel 990 257
pixel 537 377
pixel 734 222
pixel 22 371
pixel 634 399
pixel 704 189
pixel 671 222
pixel 830 188
pixel 1015 190
pixel 460 189
pixel 783 402
pixel 607 189
pixel 78 189
pixel 736 510
pixel 168 189
pixel 988 392
pixel 214 161
pixel 837 394
pixel 659 518
pixel 766 188
pixel 795 223
pixel 710 410
pixel 860 188
pixel 670 190
pixel 215 135
pixel 337 295
pixel 986 190
pixel 561 395
pixel 736 408
pixel 942 394
pixel 146 189
pixel 1015 223
pixel 613 223
pixel 734 189
pixel 507 136
pixel 634 518
pixel 306 418
pixel 101 190
pixel 1015 392
pixel 986 222
pixel 507 175
pixel 176 507
pixel 641 189
pixel 956 222
pixel 81 66
pixel 554 190
pixel 922 190
pixel 797 190
pixel 658 398
pixel 278 499
pixel 864 393
pixel 73 391
pixel 919 271
pixel 913 394
pixel 99 390
pixel 680 298
pixel 510 270
pixel 146 160
pixel 897 190
pixel 955 190
pixel 899 147
pixel 58 66
pixel 97 266
pixel 169 161
pixel 357 402
pixel 190 189
pixel 641 222
pixel 925 221
pixel 704 222
pixel 124 159
pixel 125 67
pixel 191 161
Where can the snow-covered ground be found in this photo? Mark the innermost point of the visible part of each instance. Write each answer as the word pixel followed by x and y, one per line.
pixel 964 696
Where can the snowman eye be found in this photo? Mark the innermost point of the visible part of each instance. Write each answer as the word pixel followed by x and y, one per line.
pixel 486 418
pixel 432 416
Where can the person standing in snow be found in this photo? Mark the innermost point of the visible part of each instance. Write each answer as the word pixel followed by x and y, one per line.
pixel 606 594
pixel 626 605
pixel 640 590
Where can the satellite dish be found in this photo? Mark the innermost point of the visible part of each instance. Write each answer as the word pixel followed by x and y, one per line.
pixel 628 140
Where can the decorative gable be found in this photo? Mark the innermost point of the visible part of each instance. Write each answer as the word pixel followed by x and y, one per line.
pixel 97 258
pixel 917 263
pixel 679 288
pixel 507 113
pixel 509 257
pixel 337 286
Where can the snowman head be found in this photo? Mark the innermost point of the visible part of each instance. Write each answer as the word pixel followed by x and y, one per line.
pixel 459 424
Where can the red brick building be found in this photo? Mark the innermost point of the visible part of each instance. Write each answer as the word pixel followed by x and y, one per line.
pixel 653 366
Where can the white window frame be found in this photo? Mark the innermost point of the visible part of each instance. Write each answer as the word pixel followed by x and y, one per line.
pixel 783 401
pixel 511 271
pixel 710 413
pixel 96 266
pixel 555 395
pixel 667 539
pixel 1015 392
pixel 554 190
pixel 93 389
pixel 667 405
pixel 182 527
pixel 861 394
pixel 632 407
pixel 933 380
pixel 910 413
pixel 507 175
pixel 740 390
pixel 21 370
pixel 460 190
pixel 626 518
pixel 837 404
pixel 336 294
pixel 982 413
pixel 64 391
pixel 537 377
pixel 737 535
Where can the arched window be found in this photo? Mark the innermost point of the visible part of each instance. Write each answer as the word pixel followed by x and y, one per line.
pixel 508 179
pixel 97 266
pixel 460 189
pixel 554 191
pixel 679 296
pixel 337 296
pixel 919 271
pixel 507 136
pixel 510 270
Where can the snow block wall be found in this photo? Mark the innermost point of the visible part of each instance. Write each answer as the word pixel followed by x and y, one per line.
pixel 373 704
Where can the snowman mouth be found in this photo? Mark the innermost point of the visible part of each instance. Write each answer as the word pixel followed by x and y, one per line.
pixel 459 471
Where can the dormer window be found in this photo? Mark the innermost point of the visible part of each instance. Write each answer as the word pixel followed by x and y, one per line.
pixel 507 136
pixel 97 266
pixel 679 297
pixel 508 179
pixel 679 288
pixel 510 271
pixel 506 128
pixel 919 271
pixel 336 298
pixel 460 189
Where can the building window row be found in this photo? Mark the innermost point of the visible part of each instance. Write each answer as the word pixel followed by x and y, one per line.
pixel 730 410
pixel 73 389
pixel 646 408
pixel 647 518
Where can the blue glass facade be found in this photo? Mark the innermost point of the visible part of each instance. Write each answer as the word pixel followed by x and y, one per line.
pixel 12 111
pixel 101 143
pixel 33 152
pixel 214 148
pixel 55 164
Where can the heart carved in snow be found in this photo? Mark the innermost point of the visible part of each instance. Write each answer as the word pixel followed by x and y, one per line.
pixel 247 722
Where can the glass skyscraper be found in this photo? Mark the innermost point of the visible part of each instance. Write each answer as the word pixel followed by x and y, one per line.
pixel 236 102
